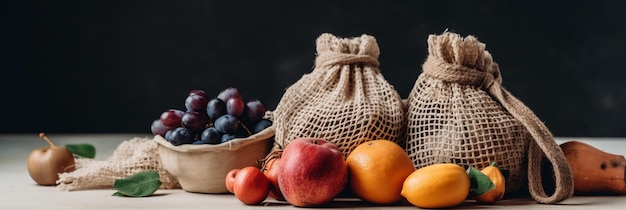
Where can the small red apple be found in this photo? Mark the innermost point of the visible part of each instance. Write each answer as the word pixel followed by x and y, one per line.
pixel 251 186
pixel 45 164
pixel 271 171
pixel 230 179
pixel 312 172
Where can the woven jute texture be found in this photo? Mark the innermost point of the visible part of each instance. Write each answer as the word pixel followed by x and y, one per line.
pixel 344 100
pixel 459 112
pixel 130 157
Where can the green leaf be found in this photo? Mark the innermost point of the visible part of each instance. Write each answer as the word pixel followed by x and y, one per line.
pixel 118 194
pixel 141 184
pixel 83 150
pixel 480 183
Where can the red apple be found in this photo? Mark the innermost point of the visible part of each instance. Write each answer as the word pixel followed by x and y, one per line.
pixel 271 171
pixel 230 179
pixel 251 186
pixel 312 172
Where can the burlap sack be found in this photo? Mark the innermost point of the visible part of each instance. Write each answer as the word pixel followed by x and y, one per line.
pixel 130 157
pixel 344 100
pixel 458 112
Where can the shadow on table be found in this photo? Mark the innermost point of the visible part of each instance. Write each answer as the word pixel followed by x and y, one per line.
pixel 578 201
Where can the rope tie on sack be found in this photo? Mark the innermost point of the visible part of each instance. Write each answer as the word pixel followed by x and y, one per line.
pixel 455 73
pixel 334 58
pixel 489 79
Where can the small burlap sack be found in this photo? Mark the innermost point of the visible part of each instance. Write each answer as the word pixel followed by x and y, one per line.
pixel 458 112
pixel 130 157
pixel 344 100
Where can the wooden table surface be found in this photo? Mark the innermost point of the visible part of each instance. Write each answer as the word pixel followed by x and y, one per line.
pixel 19 191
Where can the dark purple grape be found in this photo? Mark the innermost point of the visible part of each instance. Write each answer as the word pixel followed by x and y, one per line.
pixel 172 118
pixel 227 137
pixel 158 128
pixel 199 92
pixel 227 124
pixel 194 121
pixel 180 136
pixel 229 93
pixel 255 110
pixel 211 136
pixel 168 134
pixel 196 103
pixel 216 108
pixel 262 125
pixel 234 107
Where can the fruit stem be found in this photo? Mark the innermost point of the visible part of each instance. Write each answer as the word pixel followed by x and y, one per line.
pixel 245 127
pixel 44 137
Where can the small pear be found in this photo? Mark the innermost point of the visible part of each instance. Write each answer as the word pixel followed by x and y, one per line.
pixel 595 171
pixel 45 164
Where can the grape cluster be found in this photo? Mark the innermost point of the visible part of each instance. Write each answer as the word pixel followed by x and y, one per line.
pixel 211 121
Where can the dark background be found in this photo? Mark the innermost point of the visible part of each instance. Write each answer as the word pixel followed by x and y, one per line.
pixel 114 66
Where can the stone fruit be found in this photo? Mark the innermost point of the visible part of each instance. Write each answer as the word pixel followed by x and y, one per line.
pixel 271 171
pixel 441 185
pixel 377 169
pixel 312 172
pixel 251 186
pixel 45 164
pixel 496 194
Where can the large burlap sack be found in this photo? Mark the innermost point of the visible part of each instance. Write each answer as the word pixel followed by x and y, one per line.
pixel 130 157
pixel 344 100
pixel 459 112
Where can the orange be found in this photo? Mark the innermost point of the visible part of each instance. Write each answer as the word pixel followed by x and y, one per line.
pixel 496 194
pixel 376 171
pixel 441 185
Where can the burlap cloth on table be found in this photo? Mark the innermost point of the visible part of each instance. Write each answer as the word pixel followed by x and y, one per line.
pixel 459 112
pixel 344 100
pixel 130 157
